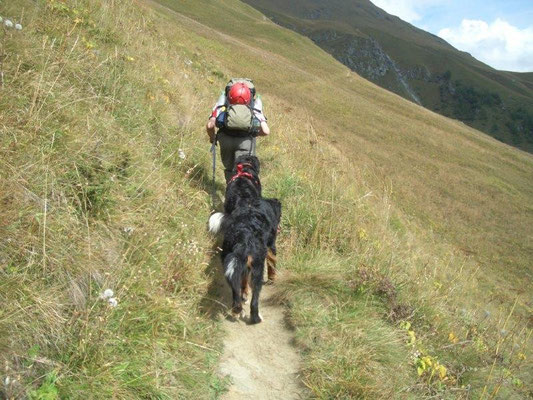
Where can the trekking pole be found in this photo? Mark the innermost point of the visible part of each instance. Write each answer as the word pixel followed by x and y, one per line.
pixel 214 152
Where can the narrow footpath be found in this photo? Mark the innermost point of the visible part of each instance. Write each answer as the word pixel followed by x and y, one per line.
pixel 260 360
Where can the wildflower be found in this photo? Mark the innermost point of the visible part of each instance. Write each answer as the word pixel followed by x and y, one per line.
pixel 181 154
pixel 188 62
pixel 18 27
pixel 7 381
pixel 128 230
pixel 113 302
pixel 108 293
pixel 452 338
pixel 8 23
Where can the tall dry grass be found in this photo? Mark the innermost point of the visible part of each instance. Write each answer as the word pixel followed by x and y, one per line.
pixel 392 280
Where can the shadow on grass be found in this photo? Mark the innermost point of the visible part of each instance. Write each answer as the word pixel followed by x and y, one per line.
pixel 202 179
pixel 217 301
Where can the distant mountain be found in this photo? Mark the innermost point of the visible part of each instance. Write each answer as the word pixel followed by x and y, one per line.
pixel 414 64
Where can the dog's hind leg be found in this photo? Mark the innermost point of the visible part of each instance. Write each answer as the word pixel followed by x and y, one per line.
pixel 245 285
pixel 271 264
pixel 258 266
pixel 234 273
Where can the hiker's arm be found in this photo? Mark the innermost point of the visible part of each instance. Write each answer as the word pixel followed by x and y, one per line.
pixel 265 130
pixel 211 124
pixel 210 129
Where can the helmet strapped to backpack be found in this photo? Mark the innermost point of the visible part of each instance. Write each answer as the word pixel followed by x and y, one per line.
pixel 239 93
pixel 248 82
pixel 238 118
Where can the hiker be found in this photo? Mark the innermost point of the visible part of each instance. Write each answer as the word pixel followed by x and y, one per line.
pixel 238 115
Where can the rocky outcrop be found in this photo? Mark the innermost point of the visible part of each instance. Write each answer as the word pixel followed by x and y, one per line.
pixel 365 56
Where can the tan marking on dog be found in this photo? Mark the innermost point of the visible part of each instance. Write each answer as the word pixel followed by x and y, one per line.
pixel 271 265
pixel 245 287
pixel 249 261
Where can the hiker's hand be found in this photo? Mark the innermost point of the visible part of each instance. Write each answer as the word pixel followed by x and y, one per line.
pixel 211 123
pixel 210 129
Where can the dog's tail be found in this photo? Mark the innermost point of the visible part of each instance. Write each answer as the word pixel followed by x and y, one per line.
pixel 235 263
pixel 215 222
pixel 235 268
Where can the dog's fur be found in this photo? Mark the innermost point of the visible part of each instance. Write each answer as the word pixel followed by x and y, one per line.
pixel 250 224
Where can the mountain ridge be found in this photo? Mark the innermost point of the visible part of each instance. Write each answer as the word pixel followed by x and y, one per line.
pixel 415 64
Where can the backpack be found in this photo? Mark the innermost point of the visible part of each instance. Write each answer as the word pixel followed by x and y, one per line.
pixel 239 119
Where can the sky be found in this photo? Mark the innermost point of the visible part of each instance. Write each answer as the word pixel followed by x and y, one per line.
pixel 496 32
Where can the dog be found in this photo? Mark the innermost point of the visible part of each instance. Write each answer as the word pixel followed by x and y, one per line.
pixel 250 225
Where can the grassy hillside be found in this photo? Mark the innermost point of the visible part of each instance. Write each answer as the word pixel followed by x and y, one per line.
pixel 414 64
pixel 406 237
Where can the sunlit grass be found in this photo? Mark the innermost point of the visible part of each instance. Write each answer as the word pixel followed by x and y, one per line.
pixel 391 215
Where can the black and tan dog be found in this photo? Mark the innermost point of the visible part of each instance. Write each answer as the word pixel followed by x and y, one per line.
pixel 250 225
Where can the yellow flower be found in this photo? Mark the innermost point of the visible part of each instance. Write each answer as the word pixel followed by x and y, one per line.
pixel 442 371
pixel 452 338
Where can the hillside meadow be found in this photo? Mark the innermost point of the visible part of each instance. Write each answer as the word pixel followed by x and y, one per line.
pixel 405 245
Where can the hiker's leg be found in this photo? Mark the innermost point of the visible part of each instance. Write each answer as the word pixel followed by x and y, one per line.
pixel 228 145
pixel 245 146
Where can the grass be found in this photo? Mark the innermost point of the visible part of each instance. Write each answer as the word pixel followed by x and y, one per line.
pixel 403 242
pixel 95 196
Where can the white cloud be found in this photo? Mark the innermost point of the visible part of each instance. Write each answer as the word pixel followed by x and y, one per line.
pixel 499 44
pixel 408 10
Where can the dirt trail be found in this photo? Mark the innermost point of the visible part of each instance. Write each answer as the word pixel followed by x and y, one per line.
pixel 260 359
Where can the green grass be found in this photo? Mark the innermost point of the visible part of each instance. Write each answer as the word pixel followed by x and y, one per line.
pixel 400 227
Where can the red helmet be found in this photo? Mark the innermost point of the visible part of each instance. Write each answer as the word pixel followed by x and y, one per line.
pixel 239 94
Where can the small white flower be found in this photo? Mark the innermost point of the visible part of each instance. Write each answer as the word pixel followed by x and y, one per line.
pixel 181 154
pixel 113 302
pixel 107 294
pixel 128 230
pixel 188 62
pixel 7 381
pixel 8 23
pixel 18 27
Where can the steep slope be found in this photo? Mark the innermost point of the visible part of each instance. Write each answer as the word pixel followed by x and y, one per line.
pixel 414 64
pixel 405 235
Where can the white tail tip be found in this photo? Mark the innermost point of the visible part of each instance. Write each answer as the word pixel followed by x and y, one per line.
pixel 215 222
pixel 231 267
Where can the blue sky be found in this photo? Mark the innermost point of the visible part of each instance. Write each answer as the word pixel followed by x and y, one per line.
pixel 497 32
